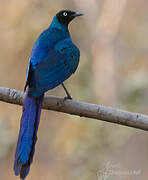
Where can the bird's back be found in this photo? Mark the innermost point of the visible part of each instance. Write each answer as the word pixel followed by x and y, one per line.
pixel 53 59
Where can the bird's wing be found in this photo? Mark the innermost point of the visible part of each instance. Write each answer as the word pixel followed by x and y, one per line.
pixel 56 67
pixel 28 75
pixel 40 49
pixel 69 50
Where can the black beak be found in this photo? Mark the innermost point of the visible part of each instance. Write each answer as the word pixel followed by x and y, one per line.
pixel 77 14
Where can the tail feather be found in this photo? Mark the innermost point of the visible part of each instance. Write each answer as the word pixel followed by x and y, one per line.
pixel 28 135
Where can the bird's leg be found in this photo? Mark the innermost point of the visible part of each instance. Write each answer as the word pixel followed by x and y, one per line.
pixel 67 93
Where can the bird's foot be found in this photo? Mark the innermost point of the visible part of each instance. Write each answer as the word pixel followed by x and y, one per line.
pixel 67 97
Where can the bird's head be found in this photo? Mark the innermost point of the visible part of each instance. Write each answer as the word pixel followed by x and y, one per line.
pixel 66 16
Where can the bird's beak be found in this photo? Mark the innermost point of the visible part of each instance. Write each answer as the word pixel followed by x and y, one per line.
pixel 77 14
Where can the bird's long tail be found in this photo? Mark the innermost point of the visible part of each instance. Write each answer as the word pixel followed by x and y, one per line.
pixel 27 135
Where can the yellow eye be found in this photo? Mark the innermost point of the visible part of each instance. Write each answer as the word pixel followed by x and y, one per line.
pixel 64 13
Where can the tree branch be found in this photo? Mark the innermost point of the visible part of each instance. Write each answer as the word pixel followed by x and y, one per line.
pixel 81 109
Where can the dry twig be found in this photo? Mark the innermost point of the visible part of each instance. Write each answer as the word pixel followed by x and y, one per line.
pixel 81 109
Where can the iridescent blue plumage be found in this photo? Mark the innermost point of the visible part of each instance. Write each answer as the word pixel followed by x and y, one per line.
pixel 54 59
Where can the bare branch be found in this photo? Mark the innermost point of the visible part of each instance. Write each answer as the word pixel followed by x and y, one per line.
pixel 81 109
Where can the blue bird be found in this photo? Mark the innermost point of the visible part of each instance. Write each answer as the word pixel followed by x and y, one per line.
pixel 54 58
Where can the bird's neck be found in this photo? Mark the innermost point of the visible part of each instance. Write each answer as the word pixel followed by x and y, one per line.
pixel 56 24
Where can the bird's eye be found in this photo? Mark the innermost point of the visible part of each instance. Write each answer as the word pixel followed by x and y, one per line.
pixel 64 13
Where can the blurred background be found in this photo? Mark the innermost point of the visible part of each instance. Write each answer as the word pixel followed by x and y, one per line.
pixel 113 39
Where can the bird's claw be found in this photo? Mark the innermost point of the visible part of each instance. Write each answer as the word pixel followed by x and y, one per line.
pixel 67 97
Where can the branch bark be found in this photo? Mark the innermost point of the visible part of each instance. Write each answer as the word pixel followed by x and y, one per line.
pixel 81 109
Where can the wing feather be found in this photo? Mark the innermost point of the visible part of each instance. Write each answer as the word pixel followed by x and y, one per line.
pixel 57 66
